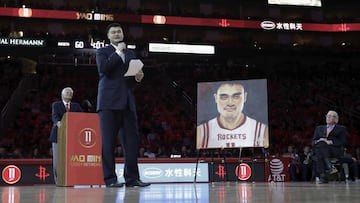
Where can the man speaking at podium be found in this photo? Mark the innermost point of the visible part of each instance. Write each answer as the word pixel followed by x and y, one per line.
pixel 58 109
pixel 116 108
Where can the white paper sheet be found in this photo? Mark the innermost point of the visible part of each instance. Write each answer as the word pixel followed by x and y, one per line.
pixel 134 66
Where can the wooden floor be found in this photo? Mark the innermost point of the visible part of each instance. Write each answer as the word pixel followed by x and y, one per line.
pixel 223 192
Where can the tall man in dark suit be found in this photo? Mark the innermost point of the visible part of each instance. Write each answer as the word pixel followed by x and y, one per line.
pixel 116 108
pixel 58 109
pixel 329 141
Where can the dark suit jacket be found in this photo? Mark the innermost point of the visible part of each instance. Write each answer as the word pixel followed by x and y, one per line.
pixel 115 92
pixel 338 135
pixel 57 112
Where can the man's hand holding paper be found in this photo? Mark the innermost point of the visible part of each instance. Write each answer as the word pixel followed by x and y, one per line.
pixel 139 76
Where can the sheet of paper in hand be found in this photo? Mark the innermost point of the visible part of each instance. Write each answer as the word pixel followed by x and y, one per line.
pixel 135 66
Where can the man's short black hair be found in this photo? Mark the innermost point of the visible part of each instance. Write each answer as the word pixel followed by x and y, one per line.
pixel 112 25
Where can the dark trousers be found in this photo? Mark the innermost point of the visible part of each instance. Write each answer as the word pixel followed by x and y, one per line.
pixel 323 153
pixel 306 171
pixel 294 172
pixel 353 166
pixel 122 125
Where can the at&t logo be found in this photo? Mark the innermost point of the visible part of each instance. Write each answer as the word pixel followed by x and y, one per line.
pixel 11 174
pixel 276 168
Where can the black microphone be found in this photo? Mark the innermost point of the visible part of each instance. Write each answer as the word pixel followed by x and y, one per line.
pixel 123 47
pixel 87 105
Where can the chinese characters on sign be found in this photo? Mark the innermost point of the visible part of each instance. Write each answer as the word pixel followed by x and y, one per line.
pixel 270 25
pixel 170 172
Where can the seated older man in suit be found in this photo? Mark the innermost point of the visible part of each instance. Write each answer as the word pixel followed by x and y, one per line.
pixel 329 141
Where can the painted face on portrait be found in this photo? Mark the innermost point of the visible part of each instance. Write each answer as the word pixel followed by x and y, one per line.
pixel 230 99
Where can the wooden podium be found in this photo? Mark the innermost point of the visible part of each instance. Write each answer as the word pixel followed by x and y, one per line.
pixel 79 150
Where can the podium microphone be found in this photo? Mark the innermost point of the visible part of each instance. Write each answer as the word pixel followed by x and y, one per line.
pixel 87 105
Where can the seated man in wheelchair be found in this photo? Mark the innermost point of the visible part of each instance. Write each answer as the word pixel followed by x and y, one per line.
pixel 328 143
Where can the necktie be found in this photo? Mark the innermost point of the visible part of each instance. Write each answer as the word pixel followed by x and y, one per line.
pixel 122 55
pixel 67 107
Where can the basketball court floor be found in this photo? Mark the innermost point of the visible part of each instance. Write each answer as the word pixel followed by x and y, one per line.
pixel 222 192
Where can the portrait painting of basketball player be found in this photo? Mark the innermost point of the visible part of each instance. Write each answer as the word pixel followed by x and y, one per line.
pixel 231 127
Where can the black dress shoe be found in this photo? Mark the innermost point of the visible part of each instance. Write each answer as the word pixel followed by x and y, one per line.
pixel 323 179
pixel 332 170
pixel 137 183
pixel 117 184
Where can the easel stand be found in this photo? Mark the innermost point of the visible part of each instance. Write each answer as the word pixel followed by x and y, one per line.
pixel 223 160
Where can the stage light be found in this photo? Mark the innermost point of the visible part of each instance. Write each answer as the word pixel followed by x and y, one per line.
pixel 158 19
pixel 25 12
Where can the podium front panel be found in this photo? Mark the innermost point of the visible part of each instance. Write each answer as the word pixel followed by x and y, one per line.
pixel 79 150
